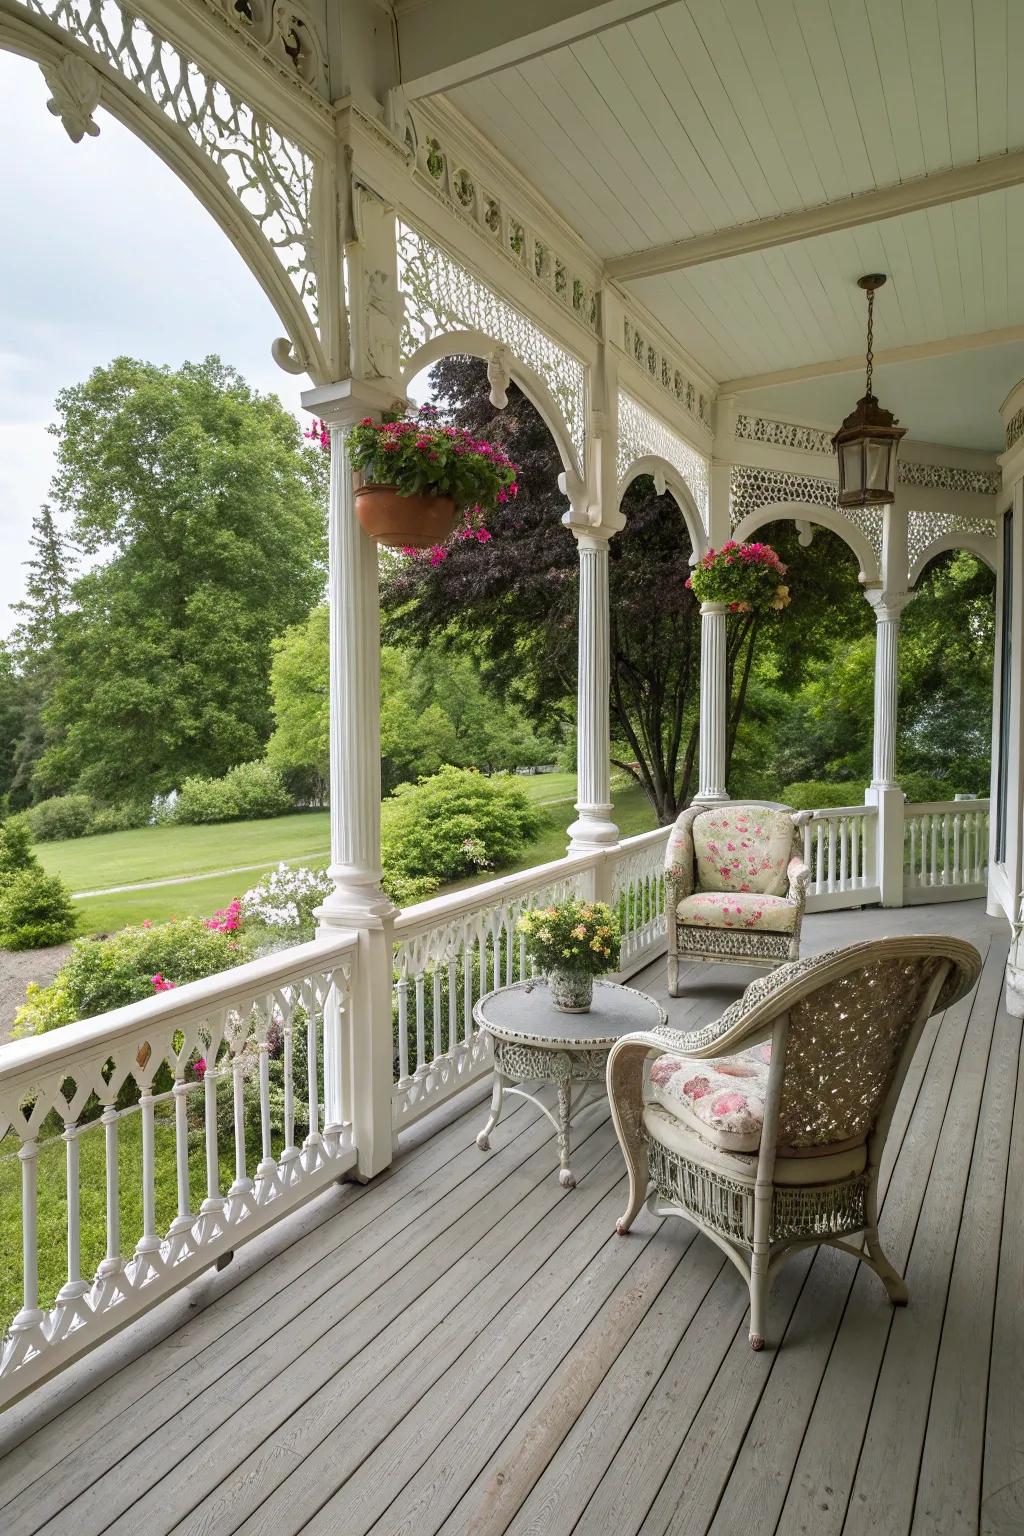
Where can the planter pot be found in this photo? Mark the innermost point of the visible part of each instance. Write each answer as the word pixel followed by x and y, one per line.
pixel 404 522
pixel 571 991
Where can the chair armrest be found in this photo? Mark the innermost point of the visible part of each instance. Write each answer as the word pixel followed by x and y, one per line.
pixel 799 876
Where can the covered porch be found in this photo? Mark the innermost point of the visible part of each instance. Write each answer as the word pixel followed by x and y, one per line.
pixel 463 1346
pixel 373 1325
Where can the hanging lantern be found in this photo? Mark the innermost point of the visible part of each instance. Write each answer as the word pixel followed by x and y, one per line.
pixel 868 440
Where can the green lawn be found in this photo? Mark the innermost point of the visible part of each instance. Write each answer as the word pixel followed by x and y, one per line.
pixel 159 853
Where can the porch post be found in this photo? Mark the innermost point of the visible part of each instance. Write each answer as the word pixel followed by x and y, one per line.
pixel 884 792
pixel 357 901
pixel 593 827
pixel 713 638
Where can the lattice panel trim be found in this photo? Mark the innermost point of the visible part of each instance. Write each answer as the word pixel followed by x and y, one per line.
pixel 270 175
pixel 664 370
pixel 442 296
pixel 752 489
pixel 468 192
pixel 783 434
pixel 949 477
pixel 1015 428
pixel 926 528
pixel 642 434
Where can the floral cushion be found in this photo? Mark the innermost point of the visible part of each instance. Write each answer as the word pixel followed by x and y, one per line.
pixel 743 848
pixel 740 909
pixel 721 1099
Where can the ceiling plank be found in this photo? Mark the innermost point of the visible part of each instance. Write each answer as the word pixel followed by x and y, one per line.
pixel 932 191
pixel 855 364
pixel 448 44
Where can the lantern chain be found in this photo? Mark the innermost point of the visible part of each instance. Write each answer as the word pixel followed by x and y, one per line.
pixel 871 336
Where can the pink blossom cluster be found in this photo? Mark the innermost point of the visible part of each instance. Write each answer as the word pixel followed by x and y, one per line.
pixel 227 920
pixel 319 433
pixel 439 552
pixel 161 984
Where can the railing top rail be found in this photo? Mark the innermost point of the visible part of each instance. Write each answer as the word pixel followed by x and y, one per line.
pixel 479 897
pixel 826 813
pixel 946 807
pixel 630 845
pixel 79 1043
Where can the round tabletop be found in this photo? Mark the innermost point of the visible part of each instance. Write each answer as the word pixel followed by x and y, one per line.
pixel 523 1014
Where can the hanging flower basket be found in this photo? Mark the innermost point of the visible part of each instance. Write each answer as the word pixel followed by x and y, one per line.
pixel 419 478
pixel 747 578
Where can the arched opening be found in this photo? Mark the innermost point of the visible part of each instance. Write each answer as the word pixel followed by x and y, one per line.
pixel 947 639
pixel 666 479
pixel 808 517
pixel 801 706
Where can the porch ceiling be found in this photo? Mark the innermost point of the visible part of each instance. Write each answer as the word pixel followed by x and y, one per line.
pixel 701 117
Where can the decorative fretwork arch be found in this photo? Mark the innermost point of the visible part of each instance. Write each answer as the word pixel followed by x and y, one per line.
pixel 933 533
pixel 258 184
pixel 445 301
pixel 644 436
pixel 758 496
pixel 503 365
pixel 823 517
pixel 667 478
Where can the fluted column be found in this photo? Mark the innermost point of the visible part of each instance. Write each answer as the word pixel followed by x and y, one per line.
pixel 713 639
pixel 593 827
pixel 887 634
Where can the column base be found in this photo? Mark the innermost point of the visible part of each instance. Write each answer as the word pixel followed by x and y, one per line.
pixel 711 797
pixel 593 831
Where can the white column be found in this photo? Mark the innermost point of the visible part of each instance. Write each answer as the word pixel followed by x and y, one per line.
pixel 593 827
pixel 884 792
pixel 357 901
pixel 713 703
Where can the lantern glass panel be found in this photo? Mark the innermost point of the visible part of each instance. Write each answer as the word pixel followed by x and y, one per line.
pixel 853 475
pixel 877 455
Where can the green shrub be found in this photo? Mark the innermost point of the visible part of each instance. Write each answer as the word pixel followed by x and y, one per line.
pixel 819 794
pixel 248 792
pixel 16 847
pixel 456 823
pixel 63 816
pixel 921 787
pixel 107 973
pixel 35 911
pixel 120 818
pixel 408 890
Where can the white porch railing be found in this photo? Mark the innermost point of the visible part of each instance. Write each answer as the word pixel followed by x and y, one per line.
pixel 450 951
pixel 945 850
pixel 839 850
pixel 252 1061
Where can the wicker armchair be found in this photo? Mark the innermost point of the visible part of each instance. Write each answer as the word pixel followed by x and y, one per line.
pixel 736 886
pixel 766 1128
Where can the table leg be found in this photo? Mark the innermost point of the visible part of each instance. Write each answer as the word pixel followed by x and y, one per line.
pixel 483 1141
pixel 566 1177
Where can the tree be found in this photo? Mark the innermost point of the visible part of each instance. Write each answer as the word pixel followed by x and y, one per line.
pixel 13 705
pixel 512 603
pixel 35 643
pixel 208 514
pixel 434 710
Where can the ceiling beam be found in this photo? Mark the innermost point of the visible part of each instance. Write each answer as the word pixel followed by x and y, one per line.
pixel 990 175
pixel 917 351
pixel 446 43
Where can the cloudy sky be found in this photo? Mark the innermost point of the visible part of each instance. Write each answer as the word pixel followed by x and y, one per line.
pixel 104 252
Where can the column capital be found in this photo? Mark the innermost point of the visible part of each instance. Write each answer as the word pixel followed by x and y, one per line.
pixel 348 400
pixel 887 605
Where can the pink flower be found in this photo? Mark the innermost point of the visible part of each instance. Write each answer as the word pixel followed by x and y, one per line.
pixel 697 1087
pixel 482 536
pixel 728 1103
pixel 199 1067
pixel 161 985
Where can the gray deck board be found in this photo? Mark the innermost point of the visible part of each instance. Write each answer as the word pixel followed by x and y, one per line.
pixel 464 1348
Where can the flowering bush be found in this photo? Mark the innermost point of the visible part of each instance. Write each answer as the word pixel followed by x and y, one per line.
pixel 747 577
pixel 284 901
pixel 572 936
pixel 228 919
pixel 422 458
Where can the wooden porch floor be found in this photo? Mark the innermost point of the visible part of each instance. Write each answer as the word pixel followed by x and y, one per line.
pixel 463 1347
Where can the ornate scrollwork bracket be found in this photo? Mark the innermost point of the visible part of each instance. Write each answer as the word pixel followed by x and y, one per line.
pixel 499 377
pixel 288 356
pixel 77 89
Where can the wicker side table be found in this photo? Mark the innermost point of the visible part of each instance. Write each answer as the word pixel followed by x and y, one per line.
pixel 534 1042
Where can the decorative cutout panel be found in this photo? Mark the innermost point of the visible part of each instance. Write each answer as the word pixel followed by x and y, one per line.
pixel 664 370
pixel 783 434
pixel 284 34
pixel 752 489
pixel 949 477
pixel 926 528
pixel 465 191
pixel 642 434
pixel 1015 429
pixel 269 174
pixel 441 296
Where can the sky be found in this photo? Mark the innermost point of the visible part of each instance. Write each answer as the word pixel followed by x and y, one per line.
pixel 103 252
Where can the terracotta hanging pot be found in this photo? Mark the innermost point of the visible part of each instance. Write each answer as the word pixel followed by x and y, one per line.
pixel 404 522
